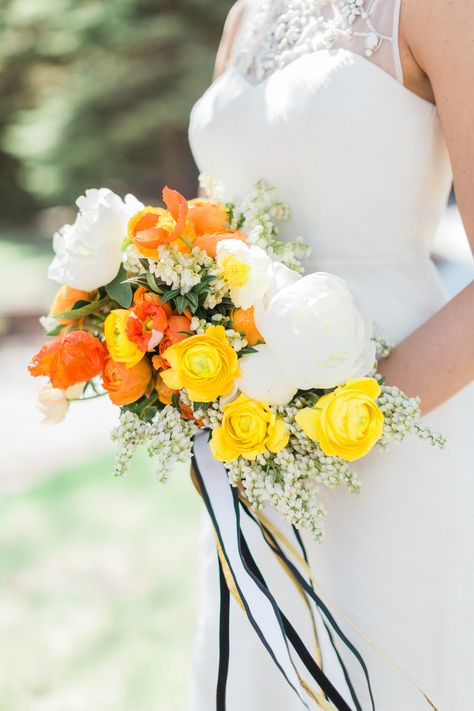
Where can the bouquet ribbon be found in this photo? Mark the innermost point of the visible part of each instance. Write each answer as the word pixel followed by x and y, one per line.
pixel 240 576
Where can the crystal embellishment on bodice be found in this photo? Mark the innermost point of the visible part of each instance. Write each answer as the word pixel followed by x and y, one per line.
pixel 276 32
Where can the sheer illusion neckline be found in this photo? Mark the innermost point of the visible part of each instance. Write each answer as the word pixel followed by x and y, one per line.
pixel 276 33
pixel 354 56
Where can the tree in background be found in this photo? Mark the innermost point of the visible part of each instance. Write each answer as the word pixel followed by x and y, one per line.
pixel 99 93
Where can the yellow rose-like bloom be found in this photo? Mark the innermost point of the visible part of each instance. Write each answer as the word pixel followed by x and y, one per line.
pixel 347 422
pixel 206 365
pixel 248 428
pixel 119 346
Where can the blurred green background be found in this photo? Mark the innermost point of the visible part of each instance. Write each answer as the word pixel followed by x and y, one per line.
pixel 98 576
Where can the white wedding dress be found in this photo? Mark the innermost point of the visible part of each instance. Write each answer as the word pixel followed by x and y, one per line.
pixel 313 101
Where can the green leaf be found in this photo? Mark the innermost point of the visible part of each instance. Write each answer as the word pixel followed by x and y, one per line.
pixel 82 311
pixel 151 281
pixel 119 290
pixel 181 303
pixel 247 350
pixel 201 405
pixel 193 301
pixel 168 295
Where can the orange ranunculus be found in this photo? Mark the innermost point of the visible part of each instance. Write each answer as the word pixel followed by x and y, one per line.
pixel 70 359
pixel 179 328
pixel 146 325
pixel 165 393
pixel 154 226
pixel 65 299
pixel 207 217
pixel 143 294
pixel 243 321
pixel 126 385
pixel 209 242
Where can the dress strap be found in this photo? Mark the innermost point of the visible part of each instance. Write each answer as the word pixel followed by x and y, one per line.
pixel 397 61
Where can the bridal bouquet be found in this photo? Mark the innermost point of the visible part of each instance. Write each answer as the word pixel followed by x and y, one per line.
pixel 195 315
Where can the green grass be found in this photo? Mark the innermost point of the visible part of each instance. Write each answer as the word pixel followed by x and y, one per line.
pixel 98 581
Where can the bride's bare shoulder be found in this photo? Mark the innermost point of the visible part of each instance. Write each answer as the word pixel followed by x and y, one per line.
pixel 231 27
pixel 436 39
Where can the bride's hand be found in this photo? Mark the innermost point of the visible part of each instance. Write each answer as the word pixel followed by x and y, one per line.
pixel 436 360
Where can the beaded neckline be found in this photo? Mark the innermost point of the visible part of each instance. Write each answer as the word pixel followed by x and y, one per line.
pixel 276 32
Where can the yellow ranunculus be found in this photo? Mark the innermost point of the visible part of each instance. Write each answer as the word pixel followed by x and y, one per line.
pixel 206 365
pixel 248 428
pixel 347 422
pixel 119 346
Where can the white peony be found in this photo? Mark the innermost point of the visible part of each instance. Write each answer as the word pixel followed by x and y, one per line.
pixel 318 335
pixel 53 403
pixel 88 253
pixel 262 378
pixel 246 269
pixel 282 276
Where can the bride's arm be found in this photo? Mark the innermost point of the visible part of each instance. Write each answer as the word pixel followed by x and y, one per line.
pixel 229 33
pixel 437 360
pixel 231 27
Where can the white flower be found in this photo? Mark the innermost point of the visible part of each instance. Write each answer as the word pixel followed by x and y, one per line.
pixel 88 253
pixel 317 333
pixel 282 276
pixel 53 403
pixel 262 378
pixel 247 270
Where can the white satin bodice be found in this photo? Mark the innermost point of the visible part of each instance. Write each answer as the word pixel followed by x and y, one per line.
pixel 360 159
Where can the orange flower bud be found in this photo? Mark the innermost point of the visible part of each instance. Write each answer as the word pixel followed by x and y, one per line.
pixel 243 321
pixel 209 242
pixel 164 392
pixel 143 294
pixel 65 299
pixel 206 216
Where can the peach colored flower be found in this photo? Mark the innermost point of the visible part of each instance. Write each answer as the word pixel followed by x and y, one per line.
pixel 53 403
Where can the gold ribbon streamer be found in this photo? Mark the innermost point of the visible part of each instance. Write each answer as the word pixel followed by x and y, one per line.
pixel 287 543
